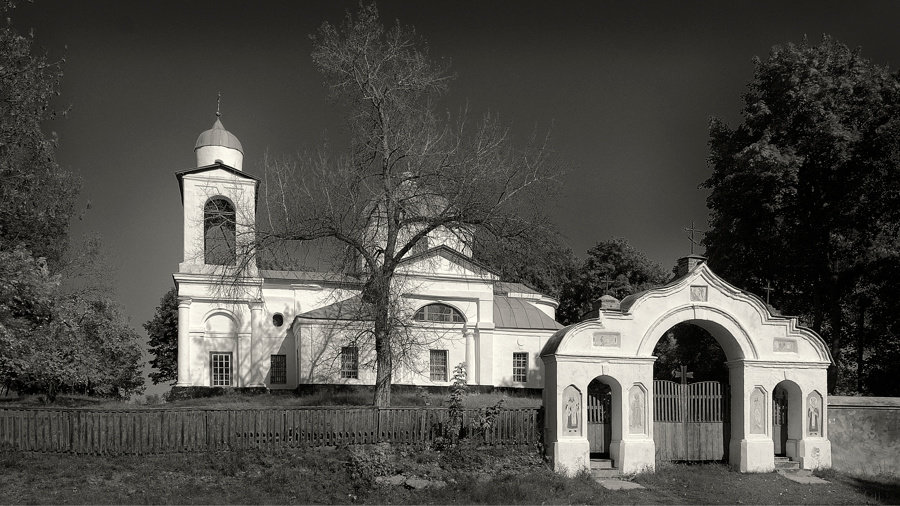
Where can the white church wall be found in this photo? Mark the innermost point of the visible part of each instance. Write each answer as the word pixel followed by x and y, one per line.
pixel 319 350
pixel 510 341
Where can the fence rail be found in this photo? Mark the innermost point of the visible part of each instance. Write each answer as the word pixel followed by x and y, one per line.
pixel 147 431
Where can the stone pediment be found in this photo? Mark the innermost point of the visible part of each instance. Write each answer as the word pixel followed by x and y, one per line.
pixel 442 261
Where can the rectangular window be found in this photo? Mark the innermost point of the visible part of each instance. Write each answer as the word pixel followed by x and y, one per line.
pixel 278 370
pixel 349 362
pixel 220 367
pixel 438 365
pixel 520 367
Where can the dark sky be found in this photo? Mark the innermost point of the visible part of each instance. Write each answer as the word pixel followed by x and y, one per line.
pixel 627 87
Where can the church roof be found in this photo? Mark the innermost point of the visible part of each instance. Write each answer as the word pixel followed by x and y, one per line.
pixel 515 313
pixel 347 309
pixel 218 136
pixel 509 313
pixel 506 288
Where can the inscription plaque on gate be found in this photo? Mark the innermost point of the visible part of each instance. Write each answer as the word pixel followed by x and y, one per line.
pixel 785 345
pixel 610 339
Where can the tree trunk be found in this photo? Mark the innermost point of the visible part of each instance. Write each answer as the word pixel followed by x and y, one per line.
pixel 860 347
pixel 384 356
pixel 836 322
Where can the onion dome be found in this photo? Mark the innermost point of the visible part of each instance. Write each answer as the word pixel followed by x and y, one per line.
pixel 218 145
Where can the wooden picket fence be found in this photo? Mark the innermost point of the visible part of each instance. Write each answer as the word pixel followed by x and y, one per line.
pixel 149 431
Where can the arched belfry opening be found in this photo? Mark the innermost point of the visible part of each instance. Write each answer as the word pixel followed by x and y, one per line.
pixel 694 360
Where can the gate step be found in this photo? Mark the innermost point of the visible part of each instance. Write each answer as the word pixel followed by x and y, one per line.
pixel 601 464
pixel 604 468
pixel 605 473
pixel 784 463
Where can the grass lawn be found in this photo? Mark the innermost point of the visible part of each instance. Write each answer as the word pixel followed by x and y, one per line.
pixel 238 400
pixel 348 475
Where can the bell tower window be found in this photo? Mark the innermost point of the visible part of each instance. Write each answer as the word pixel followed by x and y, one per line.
pixel 218 232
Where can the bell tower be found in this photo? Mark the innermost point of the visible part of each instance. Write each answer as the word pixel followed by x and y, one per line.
pixel 219 202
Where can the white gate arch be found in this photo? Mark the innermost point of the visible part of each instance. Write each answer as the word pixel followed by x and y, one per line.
pixel 762 350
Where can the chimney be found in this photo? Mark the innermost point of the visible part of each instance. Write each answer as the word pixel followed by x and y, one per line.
pixel 604 303
pixel 687 263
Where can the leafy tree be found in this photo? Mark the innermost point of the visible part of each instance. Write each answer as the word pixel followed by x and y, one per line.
pixel 408 175
pixel 163 332
pixel 28 168
pixel 51 342
pixel 58 330
pixel 627 270
pixel 537 259
pixel 805 191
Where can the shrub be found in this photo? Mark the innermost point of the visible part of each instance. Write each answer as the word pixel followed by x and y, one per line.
pixel 369 462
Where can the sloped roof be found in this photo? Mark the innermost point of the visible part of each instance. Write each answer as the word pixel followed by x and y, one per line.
pixel 348 309
pixel 509 313
pixel 448 253
pixel 506 288
pixel 179 175
pixel 515 313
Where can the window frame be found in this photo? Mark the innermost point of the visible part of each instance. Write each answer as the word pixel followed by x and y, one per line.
pixel 425 314
pixel 434 367
pixel 215 370
pixel 219 217
pixel 520 371
pixel 283 369
pixel 349 362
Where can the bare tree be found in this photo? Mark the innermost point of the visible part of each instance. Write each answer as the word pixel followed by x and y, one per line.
pixel 408 174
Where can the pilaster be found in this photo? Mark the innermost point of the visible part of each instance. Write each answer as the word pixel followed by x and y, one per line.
pixel 255 372
pixel 184 342
pixel 485 353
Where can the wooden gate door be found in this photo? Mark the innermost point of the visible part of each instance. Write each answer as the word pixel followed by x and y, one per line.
pixel 599 429
pixel 779 420
pixel 691 420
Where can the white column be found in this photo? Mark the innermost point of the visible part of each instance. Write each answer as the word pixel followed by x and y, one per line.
pixel 256 367
pixel 184 342
pixel 471 373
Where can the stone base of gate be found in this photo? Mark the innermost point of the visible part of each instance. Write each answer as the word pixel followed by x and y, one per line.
pixel 752 455
pixel 633 456
pixel 813 453
pixel 570 456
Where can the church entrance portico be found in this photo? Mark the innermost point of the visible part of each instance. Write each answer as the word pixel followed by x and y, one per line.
pixel 617 344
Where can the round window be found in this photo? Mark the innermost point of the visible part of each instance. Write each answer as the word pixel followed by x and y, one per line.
pixel 277 319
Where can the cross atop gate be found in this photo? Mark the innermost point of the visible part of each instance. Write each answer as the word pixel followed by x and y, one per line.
pixel 693 230
pixel 606 281
pixel 768 290
pixel 683 374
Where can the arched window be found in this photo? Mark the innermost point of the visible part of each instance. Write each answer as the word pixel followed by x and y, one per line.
pixel 441 313
pixel 218 232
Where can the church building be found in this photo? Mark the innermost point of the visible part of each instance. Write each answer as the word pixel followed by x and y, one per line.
pixel 245 326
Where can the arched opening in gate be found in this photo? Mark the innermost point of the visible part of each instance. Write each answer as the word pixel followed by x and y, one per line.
pixel 603 393
pixel 787 421
pixel 691 393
